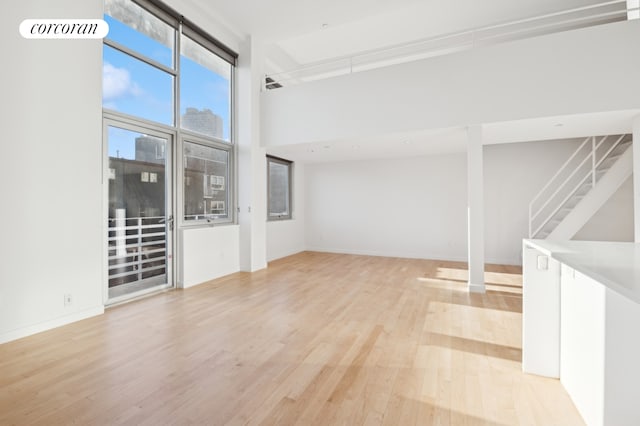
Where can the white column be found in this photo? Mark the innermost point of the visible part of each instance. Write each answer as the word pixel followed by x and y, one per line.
pixel 636 177
pixel 475 209
pixel 251 173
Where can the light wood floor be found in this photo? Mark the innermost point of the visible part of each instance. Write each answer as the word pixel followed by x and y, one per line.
pixel 314 339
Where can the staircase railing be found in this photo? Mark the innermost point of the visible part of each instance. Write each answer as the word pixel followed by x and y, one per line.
pixel 568 180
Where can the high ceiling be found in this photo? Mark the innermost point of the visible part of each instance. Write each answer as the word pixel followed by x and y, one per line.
pixel 298 32
pixel 309 31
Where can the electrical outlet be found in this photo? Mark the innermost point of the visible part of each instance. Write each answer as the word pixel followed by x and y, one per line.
pixel 67 300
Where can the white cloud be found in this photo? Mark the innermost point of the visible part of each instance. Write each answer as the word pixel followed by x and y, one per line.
pixel 116 83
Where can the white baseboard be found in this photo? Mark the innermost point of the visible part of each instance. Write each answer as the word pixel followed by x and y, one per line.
pixel 503 261
pixel 283 254
pixel 48 325
pixel 494 261
pixel 476 288
pixel 387 254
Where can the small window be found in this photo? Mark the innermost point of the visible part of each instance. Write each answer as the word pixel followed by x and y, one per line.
pixel 217 207
pixel 206 170
pixel 279 188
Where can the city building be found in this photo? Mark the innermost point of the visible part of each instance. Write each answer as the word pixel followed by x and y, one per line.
pixel 203 121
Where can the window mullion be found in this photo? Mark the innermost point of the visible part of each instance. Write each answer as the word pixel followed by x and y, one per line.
pixel 136 55
pixel 177 80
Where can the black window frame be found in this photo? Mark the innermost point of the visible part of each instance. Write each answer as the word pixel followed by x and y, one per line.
pixel 277 216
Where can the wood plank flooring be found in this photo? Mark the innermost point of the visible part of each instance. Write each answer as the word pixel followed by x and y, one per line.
pixel 315 339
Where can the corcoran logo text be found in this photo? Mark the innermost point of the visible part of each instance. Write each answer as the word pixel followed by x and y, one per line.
pixel 64 28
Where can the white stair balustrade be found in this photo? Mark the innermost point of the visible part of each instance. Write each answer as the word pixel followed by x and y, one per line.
pixel 580 187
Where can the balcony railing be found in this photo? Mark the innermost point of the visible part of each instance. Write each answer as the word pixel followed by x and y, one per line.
pixel 137 249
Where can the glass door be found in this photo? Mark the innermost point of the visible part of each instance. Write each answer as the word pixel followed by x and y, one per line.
pixel 139 216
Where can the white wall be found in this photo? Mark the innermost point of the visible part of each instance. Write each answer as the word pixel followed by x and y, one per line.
pixel 209 253
pixel 412 207
pixel 513 174
pixel 51 174
pixel 417 207
pixel 583 71
pixel 614 221
pixel 287 237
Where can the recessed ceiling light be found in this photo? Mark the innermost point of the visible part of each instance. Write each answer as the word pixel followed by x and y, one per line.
pixel 407 142
pixel 558 125
pixel 325 25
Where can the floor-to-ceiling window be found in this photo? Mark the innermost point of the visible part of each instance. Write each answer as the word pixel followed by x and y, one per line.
pixel 168 138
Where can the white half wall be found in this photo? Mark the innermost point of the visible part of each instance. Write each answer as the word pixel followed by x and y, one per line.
pixel 51 177
pixel 589 70
pixel 411 207
pixel 287 237
pixel 209 253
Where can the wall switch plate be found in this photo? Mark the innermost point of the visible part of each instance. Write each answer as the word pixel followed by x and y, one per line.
pixel 67 300
pixel 543 263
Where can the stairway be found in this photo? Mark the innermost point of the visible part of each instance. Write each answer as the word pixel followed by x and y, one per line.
pixel 580 187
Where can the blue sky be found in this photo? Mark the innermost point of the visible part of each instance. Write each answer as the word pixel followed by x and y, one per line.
pixel 133 87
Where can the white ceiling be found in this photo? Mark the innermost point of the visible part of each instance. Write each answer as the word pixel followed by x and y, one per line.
pixel 409 144
pixel 414 21
pixel 454 139
pixel 352 26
